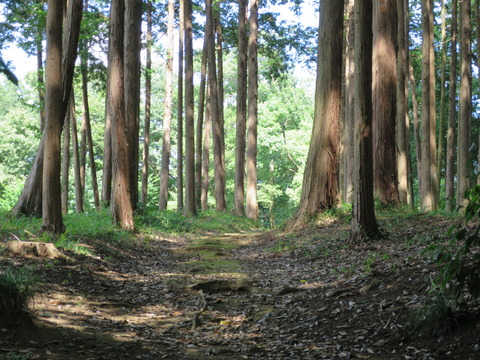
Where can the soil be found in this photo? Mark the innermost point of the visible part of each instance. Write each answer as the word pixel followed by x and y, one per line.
pixel 266 295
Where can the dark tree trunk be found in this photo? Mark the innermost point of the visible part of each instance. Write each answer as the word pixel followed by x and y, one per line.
pixel 384 100
pixel 320 190
pixel 364 224
pixel 252 203
pixel 189 208
pixel 121 193
pixel 132 41
pixel 181 40
pixel 241 119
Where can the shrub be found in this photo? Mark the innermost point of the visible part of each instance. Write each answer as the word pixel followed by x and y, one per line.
pixel 17 289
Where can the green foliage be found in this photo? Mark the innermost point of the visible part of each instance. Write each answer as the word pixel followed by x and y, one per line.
pixel 460 270
pixel 434 318
pixel 17 289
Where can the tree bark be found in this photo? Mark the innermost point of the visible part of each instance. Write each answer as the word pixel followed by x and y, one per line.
pixel 121 192
pixel 465 112
pixel 132 43
pixel 402 118
pixel 219 170
pixel 320 185
pixel 364 224
pixel 452 115
pixel 349 128
pixel 441 127
pixel 181 41
pixel 429 172
pixel 148 99
pixel 189 208
pixel 252 203
pixel 384 100
pixel 200 121
pixel 61 55
pixel 241 116
pixel 65 162
pixel 165 171
pixel 76 157
pixel 88 128
pixel 206 150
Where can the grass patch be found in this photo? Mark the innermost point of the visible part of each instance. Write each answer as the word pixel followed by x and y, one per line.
pixel 17 289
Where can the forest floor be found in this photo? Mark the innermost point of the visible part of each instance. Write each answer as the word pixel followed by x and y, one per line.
pixel 257 295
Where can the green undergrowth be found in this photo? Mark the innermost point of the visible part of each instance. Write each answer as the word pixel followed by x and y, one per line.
pixel 209 221
pixel 17 289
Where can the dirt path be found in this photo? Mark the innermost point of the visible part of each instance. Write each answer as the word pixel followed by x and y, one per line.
pixel 238 296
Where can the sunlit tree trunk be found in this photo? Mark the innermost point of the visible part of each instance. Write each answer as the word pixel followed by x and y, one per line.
pixel 132 43
pixel 320 186
pixel 148 100
pixel 452 115
pixel 364 224
pixel 402 118
pixel 165 171
pixel 221 91
pixel 465 112
pixel 189 208
pixel 241 115
pixel 200 123
pixel 107 147
pixel 384 100
pixel 429 172
pixel 121 193
pixel 252 203
pixel 61 55
pixel 349 130
pixel 219 169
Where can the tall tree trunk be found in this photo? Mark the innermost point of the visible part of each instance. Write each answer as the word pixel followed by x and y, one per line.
pixel 61 55
pixel 441 127
pixel 416 125
pixel 252 203
pixel 107 169
pixel 189 208
pixel 429 172
pixel 65 162
pixel 452 115
pixel 465 113
pixel 132 43
pixel 181 41
pixel 364 223
pixel 148 99
pixel 165 171
pixel 402 118
pixel 40 81
pixel 88 128
pixel 320 186
pixel 83 159
pixel 206 150
pixel 200 118
pixel 121 192
pixel 384 100
pixel 241 116
pixel 477 24
pixel 76 156
pixel 221 91
pixel 349 129
pixel 219 170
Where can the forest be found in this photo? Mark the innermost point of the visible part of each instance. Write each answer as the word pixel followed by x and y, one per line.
pixel 193 180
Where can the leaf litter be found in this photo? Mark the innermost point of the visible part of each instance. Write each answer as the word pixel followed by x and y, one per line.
pixel 306 295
